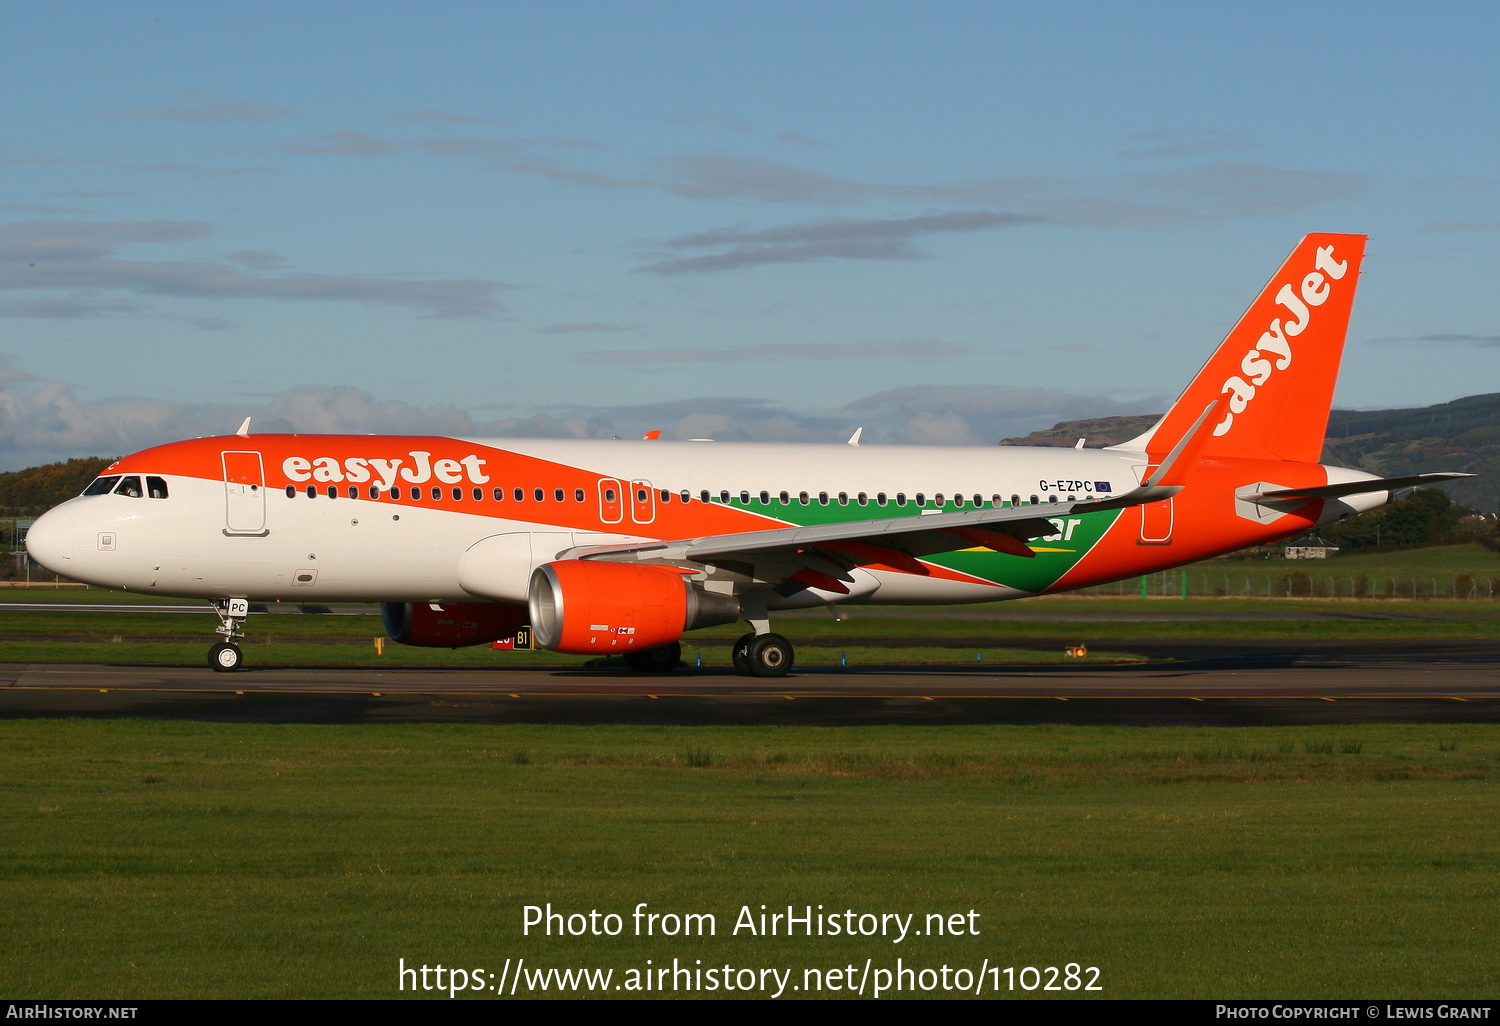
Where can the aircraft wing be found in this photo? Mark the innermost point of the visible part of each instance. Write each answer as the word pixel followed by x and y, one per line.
pixel 1004 530
pixel 899 539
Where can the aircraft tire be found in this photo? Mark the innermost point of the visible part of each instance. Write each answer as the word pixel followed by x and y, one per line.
pixel 663 659
pixel 769 655
pixel 740 655
pixel 225 658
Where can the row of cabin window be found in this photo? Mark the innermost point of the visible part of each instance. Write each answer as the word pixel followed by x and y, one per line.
pixel 129 484
pixel 538 494
pixel 560 495
pixel 863 499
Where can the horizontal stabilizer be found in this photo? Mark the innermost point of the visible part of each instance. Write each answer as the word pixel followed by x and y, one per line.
pixel 1334 491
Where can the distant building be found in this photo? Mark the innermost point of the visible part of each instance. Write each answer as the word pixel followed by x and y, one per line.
pixel 1310 547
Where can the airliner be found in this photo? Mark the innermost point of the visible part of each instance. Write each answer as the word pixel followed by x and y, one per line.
pixel 620 547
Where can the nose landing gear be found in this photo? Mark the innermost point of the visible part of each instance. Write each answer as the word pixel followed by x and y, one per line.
pixel 225 656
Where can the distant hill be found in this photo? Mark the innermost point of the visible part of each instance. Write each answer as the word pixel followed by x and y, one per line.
pixel 1095 433
pixel 33 491
pixel 1463 435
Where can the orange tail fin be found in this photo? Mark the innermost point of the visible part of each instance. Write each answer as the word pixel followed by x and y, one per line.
pixel 1274 373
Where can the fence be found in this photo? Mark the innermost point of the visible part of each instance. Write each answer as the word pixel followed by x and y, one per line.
pixel 1297 584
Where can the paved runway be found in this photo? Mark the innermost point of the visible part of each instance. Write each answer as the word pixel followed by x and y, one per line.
pixel 1257 689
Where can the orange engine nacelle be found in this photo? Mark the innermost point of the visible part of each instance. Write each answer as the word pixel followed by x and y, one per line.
pixel 585 606
pixel 453 625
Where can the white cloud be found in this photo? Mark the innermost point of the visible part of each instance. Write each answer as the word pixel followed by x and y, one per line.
pixel 207 108
pixel 76 256
pixel 341 144
pixel 920 349
pixel 42 422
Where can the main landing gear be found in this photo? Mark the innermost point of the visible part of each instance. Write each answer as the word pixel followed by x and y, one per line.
pixel 757 654
pixel 655 660
pixel 225 656
pixel 762 655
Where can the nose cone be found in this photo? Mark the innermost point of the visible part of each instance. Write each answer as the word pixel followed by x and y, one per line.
pixel 49 541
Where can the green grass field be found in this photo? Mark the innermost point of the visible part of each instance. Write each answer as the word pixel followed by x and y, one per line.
pixel 148 859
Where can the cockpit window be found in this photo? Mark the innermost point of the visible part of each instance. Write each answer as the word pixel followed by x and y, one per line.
pixel 156 487
pixel 101 485
pixel 130 485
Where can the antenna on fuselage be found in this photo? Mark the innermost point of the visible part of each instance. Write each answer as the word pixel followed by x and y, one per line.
pixel 854 438
pixel 244 431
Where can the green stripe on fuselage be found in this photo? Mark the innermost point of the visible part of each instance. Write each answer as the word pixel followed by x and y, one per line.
pixel 1056 553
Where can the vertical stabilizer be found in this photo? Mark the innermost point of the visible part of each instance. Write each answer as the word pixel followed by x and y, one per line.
pixel 1275 372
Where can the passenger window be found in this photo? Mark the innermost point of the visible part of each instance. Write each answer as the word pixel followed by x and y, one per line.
pixel 843 498
pixel 786 499
pixel 458 495
pixel 979 501
pixel 333 491
pixel 1015 500
pixel 437 494
pixel 312 491
pixel 557 495
pixel 291 491
pixel 822 498
pixel 499 494
pixel 744 498
pixel 802 498
pixel 666 496
pixel 130 486
pixel 101 485
pixel 937 500
pixel 156 487
pixel 921 499
pixel 479 495
pixel 374 491
pixel 723 496
pixel 539 495
pixel 880 498
pixel 958 499
pixel 353 491
pixel 901 498
pixel 765 498
pixel 520 494
pixel 703 495
pixel 1033 500
pixel 862 499
pixel 396 493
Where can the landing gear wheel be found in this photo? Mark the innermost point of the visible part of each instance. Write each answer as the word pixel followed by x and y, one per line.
pixel 740 654
pixel 655 660
pixel 769 655
pixel 225 658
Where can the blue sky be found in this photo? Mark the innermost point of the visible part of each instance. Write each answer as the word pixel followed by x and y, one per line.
pixel 946 221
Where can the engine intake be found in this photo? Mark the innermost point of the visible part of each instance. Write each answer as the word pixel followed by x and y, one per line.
pixel 453 625
pixel 587 606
